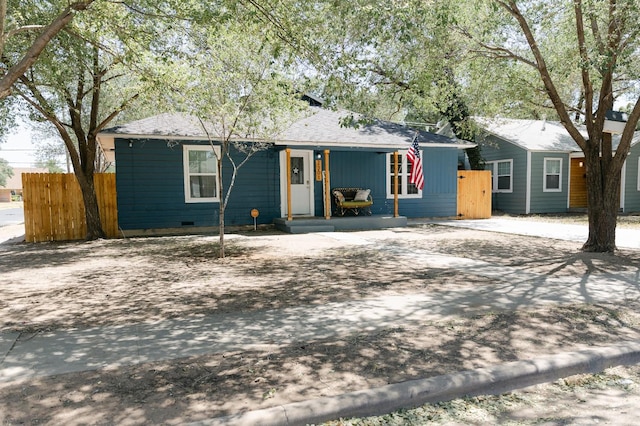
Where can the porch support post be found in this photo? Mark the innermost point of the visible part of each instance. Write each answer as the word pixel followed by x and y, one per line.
pixel 395 184
pixel 288 172
pixel 327 190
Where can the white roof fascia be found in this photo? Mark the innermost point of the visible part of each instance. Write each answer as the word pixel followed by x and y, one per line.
pixel 536 151
pixel 293 143
pixel 364 145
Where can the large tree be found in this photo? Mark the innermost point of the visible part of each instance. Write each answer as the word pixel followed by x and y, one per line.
pixel 586 55
pixel 83 80
pixel 395 61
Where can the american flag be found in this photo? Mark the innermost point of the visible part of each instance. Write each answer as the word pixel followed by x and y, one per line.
pixel 417 177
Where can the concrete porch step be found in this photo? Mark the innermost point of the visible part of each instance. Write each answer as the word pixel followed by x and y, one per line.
pixel 302 229
pixel 353 223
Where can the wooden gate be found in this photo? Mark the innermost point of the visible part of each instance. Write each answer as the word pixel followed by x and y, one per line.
pixel 578 186
pixel 54 210
pixel 474 194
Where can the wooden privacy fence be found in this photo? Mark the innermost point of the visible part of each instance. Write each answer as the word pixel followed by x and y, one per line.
pixel 54 210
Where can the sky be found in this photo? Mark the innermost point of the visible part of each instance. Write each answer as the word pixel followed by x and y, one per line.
pixel 18 149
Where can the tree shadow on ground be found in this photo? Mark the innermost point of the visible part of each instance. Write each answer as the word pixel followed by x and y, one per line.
pixel 143 281
pixel 195 388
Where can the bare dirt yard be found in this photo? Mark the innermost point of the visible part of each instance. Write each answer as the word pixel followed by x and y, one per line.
pixel 55 286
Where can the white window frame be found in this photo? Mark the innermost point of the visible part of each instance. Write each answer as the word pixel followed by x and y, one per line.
pixel 403 173
pixel 545 174
pixel 494 175
pixel 185 161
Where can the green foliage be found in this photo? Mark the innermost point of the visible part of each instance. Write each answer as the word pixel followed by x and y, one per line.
pixel 230 79
pixel 7 118
pixel 6 171
pixel 99 66
pixel 51 165
pixel 501 47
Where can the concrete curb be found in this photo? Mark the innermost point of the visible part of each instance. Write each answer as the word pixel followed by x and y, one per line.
pixel 483 381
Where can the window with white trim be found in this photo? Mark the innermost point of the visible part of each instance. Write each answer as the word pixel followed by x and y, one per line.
pixel 200 174
pixel 552 175
pixel 405 188
pixel 638 174
pixel 501 175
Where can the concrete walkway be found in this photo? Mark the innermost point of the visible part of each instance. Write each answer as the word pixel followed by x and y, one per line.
pixel 51 353
pixel 625 237
pixel 63 351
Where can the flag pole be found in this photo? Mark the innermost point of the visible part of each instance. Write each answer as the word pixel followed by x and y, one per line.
pixel 413 155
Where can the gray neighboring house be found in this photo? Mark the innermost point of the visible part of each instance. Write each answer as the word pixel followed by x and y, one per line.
pixel 536 167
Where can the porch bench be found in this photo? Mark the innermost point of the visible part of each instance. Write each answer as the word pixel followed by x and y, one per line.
pixel 354 200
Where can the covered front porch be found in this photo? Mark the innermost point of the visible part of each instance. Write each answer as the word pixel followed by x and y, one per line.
pixel 306 190
pixel 303 225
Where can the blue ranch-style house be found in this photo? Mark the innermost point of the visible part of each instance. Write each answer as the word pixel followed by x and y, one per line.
pixel 536 167
pixel 158 191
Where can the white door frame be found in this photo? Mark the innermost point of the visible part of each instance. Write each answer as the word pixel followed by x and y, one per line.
pixel 283 180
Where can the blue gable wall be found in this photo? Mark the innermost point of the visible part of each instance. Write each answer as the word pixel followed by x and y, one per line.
pixel 150 185
pixel 516 201
pixel 150 188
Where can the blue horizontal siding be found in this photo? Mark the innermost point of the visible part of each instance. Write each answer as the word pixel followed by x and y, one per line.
pixel 494 149
pixel 369 170
pixel 548 202
pixel 359 169
pixel 150 185
pixel 440 192
pixel 631 193
pixel 150 188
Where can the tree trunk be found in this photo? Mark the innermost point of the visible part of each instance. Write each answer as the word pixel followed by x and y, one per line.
pixel 476 162
pixel 222 208
pixel 603 201
pixel 92 213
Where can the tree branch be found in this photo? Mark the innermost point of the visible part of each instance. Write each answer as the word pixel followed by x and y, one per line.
pixel 43 107
pixel 22 29
pixel 496 52
pixel 584 66
pixel 614 34
pixel 3 18
pixel 114 114
pixel 511 7
pixel 595 31
pixel 30 57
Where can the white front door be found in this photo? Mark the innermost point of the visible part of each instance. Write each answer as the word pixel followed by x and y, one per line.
pixel 301 182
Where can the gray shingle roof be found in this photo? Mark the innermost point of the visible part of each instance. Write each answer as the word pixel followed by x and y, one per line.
pixel 168 124
pixel 323 128
pixel 538 135
pixel 320 128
